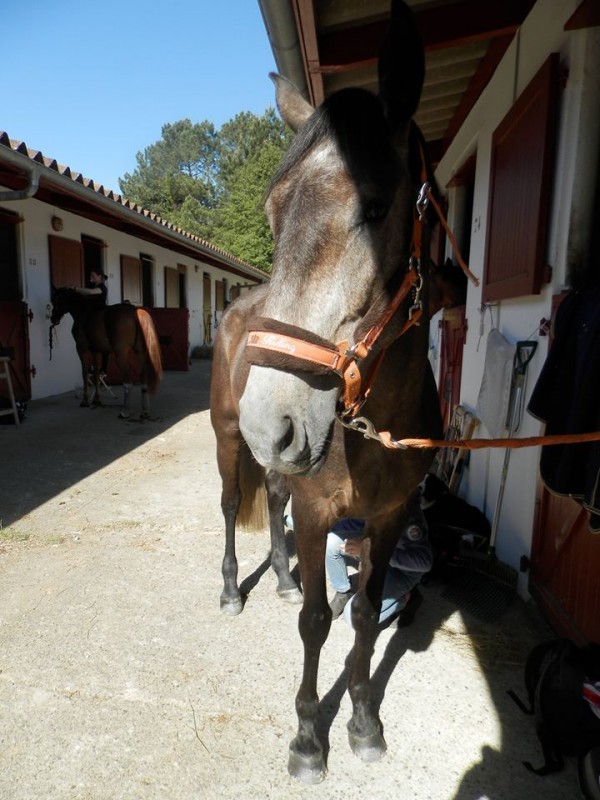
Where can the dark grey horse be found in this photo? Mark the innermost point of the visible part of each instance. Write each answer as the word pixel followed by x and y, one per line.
pixel 342 211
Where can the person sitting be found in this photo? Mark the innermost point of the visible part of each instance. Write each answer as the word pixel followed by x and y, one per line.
pixel 453 524
pixel 411 559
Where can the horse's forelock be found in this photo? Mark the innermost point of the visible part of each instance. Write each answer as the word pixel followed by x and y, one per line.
pixel 354 118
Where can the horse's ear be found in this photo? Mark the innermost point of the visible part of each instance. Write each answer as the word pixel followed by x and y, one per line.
pixel 401 65
pixel 292 106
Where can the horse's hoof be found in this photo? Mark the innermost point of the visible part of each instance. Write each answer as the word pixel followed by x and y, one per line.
pixel 124 415
pixel 231 606
pixel 84 404
pixel 292 596
pixel 145 415
pixel 367 748
pixel 309 769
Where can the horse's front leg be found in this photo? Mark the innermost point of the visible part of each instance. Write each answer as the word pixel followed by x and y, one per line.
pixel 229 465
pixel 365 731
pixel 306 759
pixel 277 496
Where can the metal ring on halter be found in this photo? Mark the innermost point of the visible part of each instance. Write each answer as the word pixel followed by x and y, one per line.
pixel 423 200
pixel 361 425
pixel 414 310
pixel 369 431
pixel 417 305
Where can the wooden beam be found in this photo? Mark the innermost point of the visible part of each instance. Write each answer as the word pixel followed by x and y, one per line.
pixel 587 15
pixel 441 27
pixel 306 26
pixel 485 70
pixel 470 21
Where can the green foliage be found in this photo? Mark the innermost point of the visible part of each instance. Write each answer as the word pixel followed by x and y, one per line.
pixel 182 164
pixel 243 137
pixel 212 183
pixel 244 228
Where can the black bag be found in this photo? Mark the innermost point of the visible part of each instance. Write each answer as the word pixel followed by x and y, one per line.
pixel 454 525
pixel 566 725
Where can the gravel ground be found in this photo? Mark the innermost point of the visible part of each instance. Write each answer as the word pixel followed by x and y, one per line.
pixel 120 678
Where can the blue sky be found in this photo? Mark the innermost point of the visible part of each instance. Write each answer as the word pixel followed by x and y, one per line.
pixel 91 82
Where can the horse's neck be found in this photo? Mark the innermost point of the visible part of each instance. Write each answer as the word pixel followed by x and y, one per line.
pixel 403 376
pixel 79 307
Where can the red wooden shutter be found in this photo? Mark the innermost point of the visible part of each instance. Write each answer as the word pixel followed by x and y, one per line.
pixel 66 262
pixel 131 280
pixel 520 183
pixel 219 295
pixel 171 288
pixel 207 308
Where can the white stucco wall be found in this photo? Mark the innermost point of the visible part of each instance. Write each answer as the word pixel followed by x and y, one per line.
pixel 572 198
pixel 63 372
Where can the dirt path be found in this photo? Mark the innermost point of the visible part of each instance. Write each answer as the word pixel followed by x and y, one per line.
pixel 120 678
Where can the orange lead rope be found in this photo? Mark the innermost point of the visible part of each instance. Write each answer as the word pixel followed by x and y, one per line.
pixel 428 194
pixel 368 430
pixel 479 444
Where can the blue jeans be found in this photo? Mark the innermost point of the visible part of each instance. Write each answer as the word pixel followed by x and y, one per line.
pixel 396 585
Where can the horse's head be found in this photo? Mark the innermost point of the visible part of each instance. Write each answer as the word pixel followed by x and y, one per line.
pixel 448 287
pixel 341 210
pixel 62 303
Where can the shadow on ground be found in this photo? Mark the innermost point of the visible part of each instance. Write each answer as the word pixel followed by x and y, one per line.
pixel 59 444
pixel 498 650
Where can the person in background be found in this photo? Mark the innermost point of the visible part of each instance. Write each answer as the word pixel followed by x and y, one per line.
pixel 97 292
pixel 96 287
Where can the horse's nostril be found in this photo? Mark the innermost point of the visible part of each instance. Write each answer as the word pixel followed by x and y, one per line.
pixel 288 437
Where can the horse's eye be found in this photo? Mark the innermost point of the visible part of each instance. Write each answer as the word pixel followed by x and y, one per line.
pixel 374 212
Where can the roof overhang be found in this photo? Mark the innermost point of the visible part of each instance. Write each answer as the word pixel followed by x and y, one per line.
pixel 59 187
pixel 328 45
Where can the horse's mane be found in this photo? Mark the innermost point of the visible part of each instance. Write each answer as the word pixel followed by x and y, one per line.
pixel 355 118
pixel 69 296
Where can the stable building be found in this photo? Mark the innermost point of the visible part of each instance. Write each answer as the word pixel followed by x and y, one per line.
pixel 511 120
pixel 55 227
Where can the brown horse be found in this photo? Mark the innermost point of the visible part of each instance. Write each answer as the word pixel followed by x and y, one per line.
pixel 346 270
pixel 448 287
pixel 121 329
pixel 244 482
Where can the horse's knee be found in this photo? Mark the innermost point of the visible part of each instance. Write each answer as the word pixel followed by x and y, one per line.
pixel 360 613
pixel 314 626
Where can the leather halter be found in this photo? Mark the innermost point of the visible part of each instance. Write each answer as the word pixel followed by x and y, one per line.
pixel 303 350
